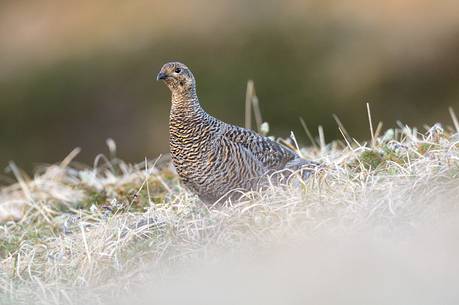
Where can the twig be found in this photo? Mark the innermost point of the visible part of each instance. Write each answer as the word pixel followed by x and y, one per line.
pixel 248 104
pixel 292 136
pixel 371 126
pixel 257 112
pixel 321 138
pixel 70 157
pixel 343 130
pixel 454 118
pixel 308 133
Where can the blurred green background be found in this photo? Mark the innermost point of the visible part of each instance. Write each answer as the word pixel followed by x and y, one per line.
pixel 76 73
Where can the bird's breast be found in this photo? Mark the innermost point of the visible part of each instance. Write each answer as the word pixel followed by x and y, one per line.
pixel 190 145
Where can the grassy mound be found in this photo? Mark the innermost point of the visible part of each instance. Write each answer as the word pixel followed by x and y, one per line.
pixel 72 231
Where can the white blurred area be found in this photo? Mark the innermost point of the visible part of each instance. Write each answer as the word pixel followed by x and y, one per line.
pixel 415 268
pixel 410 259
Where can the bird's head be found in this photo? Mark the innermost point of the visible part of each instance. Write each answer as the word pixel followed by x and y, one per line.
pixel 177 77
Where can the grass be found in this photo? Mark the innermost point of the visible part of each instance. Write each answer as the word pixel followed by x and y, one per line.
pixel 72 231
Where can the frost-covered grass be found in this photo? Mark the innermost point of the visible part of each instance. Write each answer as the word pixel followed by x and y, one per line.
pixel 71 233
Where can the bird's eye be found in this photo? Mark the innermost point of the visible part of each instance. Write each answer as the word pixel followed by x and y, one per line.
pixel 178 70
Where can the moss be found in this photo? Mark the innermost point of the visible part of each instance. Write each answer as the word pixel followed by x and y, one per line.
pixel 423 148
pixel 32 233
pixel 97 198
pixel 371 159
pixel 136 198
pixel 391 155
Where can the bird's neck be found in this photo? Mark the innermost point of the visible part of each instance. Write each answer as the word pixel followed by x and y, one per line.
pixel 185 104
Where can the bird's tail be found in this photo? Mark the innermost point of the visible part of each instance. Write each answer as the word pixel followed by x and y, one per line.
pixel 298 167
pixel 302 167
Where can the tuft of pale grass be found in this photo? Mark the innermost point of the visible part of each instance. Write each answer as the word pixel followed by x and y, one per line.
pixel 72 231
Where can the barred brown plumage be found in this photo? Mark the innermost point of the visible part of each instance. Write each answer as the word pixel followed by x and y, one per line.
pixel 211 157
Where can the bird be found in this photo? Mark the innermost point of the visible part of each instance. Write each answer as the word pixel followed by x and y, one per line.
pixel 213 159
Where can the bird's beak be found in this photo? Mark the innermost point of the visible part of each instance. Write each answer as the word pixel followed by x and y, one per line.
pixel 161 75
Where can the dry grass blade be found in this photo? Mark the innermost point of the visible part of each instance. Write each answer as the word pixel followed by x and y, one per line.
pixel 454 118
pixel 321 138
pixel 373 140
pixel 308 133
pixel 257 113
pixel 347 138
pixel 249 94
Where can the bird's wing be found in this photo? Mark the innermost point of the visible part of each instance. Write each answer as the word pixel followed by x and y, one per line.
pixel 271 154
